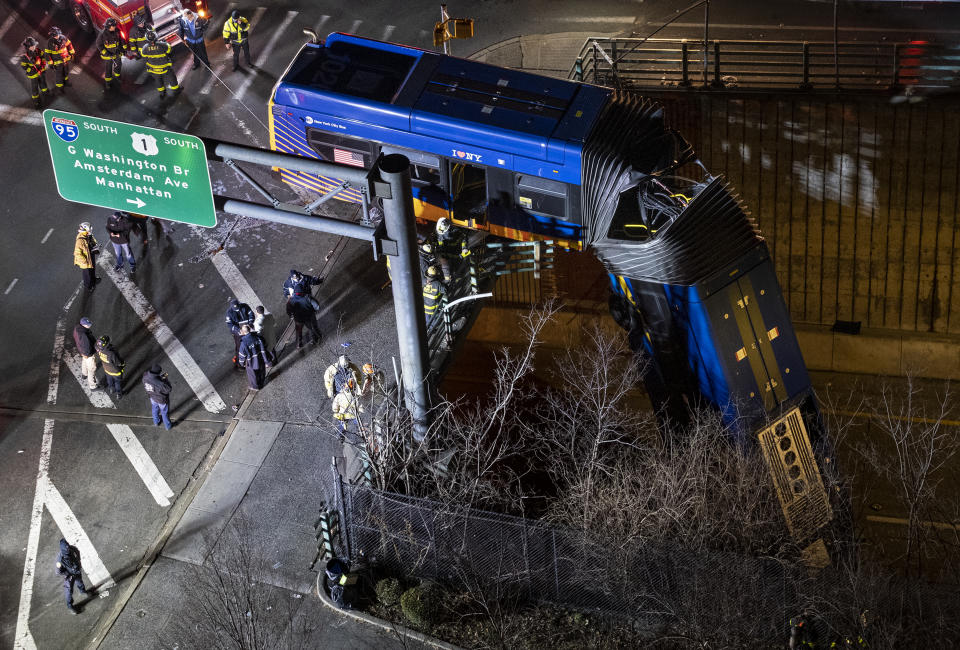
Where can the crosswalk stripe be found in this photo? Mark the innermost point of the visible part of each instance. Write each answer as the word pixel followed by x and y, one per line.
pixel 74 534
pixel 355 27
pixel 320 23
pixel 142 462
pixel 97 398
pixel 238 284
pixel 174 349
pixel 8 23
pixel 22 115
pixel 388 32
pixel 265 53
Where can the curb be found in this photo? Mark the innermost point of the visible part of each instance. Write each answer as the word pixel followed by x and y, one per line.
pixel 391 628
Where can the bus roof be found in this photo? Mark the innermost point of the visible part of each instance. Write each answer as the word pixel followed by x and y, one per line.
pixel 431 101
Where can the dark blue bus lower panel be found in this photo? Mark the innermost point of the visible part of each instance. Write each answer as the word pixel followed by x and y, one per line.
pixel 731 346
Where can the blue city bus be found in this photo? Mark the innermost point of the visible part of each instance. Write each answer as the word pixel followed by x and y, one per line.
pixel 527 157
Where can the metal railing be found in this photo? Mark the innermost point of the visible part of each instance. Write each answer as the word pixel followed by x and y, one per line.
pixel 767 65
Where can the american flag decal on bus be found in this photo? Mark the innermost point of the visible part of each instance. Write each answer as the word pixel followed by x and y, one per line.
pixel 345 157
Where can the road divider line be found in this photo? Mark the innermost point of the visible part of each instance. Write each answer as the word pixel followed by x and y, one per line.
pixel 59 333
pixel 388 32
pixel 10 288
pixel 222 68
pixel 265 53
pixel 47 236
pixel 8 23
pixel 74 533
pixel 97 398
pixel 22 115
pixel 355 27
pixel 23 640
pixel 323 21
pixel 142 462
pixel 174 349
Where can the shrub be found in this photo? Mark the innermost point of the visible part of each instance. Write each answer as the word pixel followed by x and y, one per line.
pixel 422 605
pixel 389 591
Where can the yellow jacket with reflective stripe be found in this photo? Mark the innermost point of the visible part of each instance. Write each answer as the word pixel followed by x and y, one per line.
pixel 137 39
pixel 156 56
pixel 58 51
pixel 82 255
pixel 110 45
pixel 236 30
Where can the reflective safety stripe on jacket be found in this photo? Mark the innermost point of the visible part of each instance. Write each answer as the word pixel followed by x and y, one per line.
pixel 236 30
pixel 110 46
pixel 107 363
pixel 59 51
pixel 137 39
pixel 156 56
pixel 431 297
pixel 32 66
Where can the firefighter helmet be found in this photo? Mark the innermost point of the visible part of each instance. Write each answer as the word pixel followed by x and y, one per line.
pixel 368 368
pixel 432 271
pixel 85 226
pixel 443 225
pixel 103 341
pixel 55 32
pixel 140 20
pixel 426 247
pixel 110 23
pixel 151 36
pixel 29 43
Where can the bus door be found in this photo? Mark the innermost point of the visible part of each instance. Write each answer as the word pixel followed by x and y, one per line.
pixel 431 198
pixel 468 189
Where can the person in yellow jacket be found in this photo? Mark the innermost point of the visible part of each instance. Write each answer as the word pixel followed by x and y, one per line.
pixel 156 56
pixel 58 54
pixel 346 407
pixel 33 66
pixel 85 255
pixel 235 34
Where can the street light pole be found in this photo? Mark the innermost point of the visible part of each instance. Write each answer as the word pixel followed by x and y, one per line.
pixel 407 289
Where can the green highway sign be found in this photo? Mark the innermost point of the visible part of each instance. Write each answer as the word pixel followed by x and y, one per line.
pixel 130 167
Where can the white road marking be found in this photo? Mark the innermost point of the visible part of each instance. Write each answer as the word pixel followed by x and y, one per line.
pixel 53 383
pixel 222 68
pixel 85 61
pixel 355 26
pixel 185 67
pixel 22 638
pixel 47 236
pixel 142 462
pixel 197 381
pixel 73 532
pixel 8 23
pixel 323 21
pixel 388 32
pixel 265 54
pixel 11 286
pixel 22 115
pixel 600 19
pixel 238 284
pixel 98 398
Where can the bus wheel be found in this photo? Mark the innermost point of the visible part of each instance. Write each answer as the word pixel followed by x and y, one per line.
pixel 82 16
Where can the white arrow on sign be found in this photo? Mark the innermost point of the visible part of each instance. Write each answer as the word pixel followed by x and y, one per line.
pixel 139 202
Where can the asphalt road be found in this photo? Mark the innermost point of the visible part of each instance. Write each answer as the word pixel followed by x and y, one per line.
pixel 94 469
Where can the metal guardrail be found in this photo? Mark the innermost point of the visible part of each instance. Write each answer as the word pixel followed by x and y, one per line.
pixel 767 65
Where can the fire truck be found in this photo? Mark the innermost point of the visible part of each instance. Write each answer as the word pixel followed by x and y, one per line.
pixel 90 15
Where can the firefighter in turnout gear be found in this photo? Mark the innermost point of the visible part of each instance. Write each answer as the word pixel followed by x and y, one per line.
pixel 111 46
pixel 337 375
pixel 432 290
pixel 112 365
pixel 235 33
pixel 33 65
pixel 156 56
pixel 58 54
pixel 137 38
pixel 450 247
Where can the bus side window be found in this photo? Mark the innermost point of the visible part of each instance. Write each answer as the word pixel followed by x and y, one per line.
pixel 468 189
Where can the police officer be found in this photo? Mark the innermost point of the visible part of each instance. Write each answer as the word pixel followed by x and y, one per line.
pixel 254 356
pixel 235 33
pixel 33 66
pixel 238 315
pixel 111 46
pixel 68 566
pixel 112 365
pixel 191 30
pixel 86 346
pixel 137 38
pixel 299 284
pixel 58 54
pixel 156 56
pixel 300 309
pixel 157 385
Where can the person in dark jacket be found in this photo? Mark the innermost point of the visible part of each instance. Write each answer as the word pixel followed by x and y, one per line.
pixel 119 226
pixel 238 315
pixel 191 30
pixel 157 385
pixel 299 284
pixel 68 566
pixel 112 365
pixel 300 309
pixel 254 356
pixel 111 45
pixel 86 346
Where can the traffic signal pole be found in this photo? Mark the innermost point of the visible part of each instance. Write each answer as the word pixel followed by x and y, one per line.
pixel 388 180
